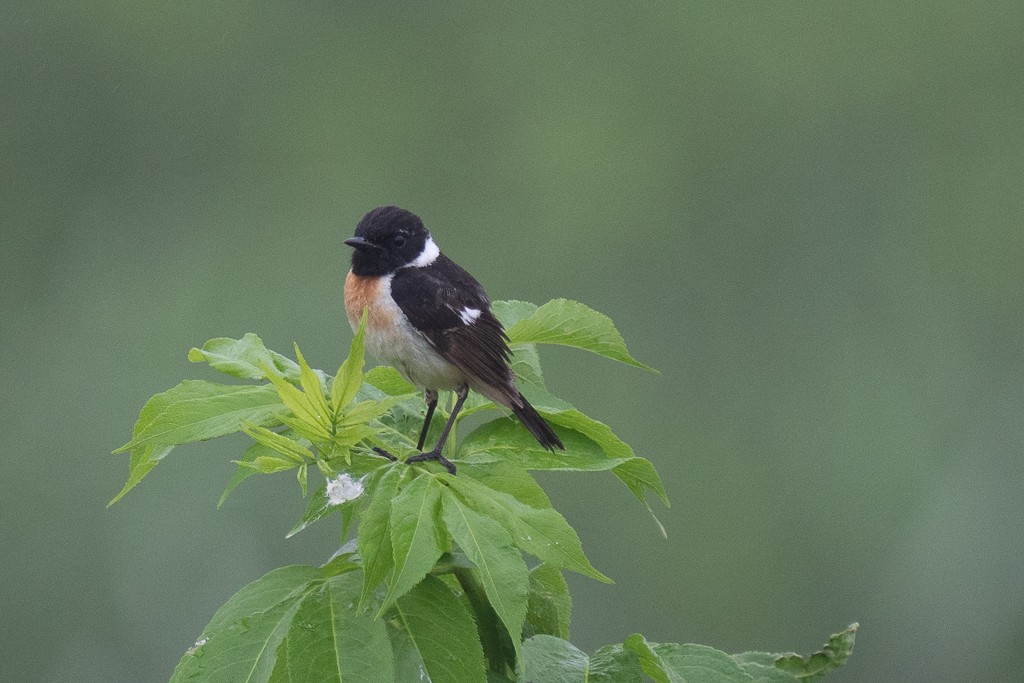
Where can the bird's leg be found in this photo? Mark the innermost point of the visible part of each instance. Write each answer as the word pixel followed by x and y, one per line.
pixel 383 453
pixel 435 454
pixel 430 396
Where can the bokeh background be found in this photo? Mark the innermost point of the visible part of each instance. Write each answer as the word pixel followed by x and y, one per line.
pixel 807 215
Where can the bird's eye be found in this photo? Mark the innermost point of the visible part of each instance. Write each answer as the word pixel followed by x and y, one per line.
pixel 399 241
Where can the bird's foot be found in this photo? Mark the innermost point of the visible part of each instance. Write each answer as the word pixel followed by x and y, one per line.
pixel 432 455
pixel 384 454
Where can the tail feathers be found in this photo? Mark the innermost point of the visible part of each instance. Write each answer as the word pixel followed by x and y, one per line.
pixel 540 429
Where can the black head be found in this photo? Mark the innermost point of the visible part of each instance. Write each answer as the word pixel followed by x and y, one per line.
pixel 388 238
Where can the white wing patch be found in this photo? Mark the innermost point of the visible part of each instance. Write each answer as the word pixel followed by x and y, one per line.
pixel 428 255
pixel 469 315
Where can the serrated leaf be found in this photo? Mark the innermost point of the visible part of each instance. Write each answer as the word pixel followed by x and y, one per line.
pixel 304 412
pixel 416 536
pixel 570 323
pixel 525 364
pixel 510 479
pixel 443 633
pixel 329 642
pixel 305 429
pixel 239 644
pixel 512 311
pixel 506 441
pixel 279 443
pixel 267 464
pixel 833 655
pixel 240 357
pixel 638 474
pixel 310 382
pixel 242 472
pixel 375 532
pixel 387 379
pixel 408 665
pixel 500 566
pixel 549 606
pixel 542 532
pixel 364 411
pixel 142 460
pixel 350 375
pixel 197 410
pixel 763 672
pixel 399 427
pixel 673 663
pixel 350 435
pixel 318 507
pixel 553 660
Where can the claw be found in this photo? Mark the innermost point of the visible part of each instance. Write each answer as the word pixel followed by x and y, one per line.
pixel 433 455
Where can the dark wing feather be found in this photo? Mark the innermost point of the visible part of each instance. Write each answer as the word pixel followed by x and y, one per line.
pixel 432 297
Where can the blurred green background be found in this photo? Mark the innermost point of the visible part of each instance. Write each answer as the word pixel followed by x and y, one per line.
pixel 807 215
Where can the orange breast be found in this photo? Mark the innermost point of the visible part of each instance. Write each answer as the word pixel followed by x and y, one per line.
pixel 364 292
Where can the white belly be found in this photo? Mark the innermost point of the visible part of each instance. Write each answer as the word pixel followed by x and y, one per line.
pixel 392 340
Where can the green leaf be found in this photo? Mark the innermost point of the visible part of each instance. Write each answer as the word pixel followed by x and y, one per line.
pixel 636 473
pixel 506 441
pixel 239 644
pixel 571 323
pixel 416 536
pixel 308 421
pixel 303 476
pixel 330 642
pixel 553 660
pixel 400 426
pixel 279 443
pixel 673 663
pixel 242 357
pixel 312 432
pixel 500 566
pixel 508 478
pixel 542 532
pixel 375 532
pixel 318 507
pixel 833 655
pixel 197 410
pixel 549 606
pixel 408 664
pixel 364 411
pixel 526 364
pixel 387 379
pixel 443 633
pixel 266 464
pixel 512 311
pixel 142 460
pixel 314 391
pixel 350 435
pixel 350 375
pixel 763 672
pixel 243 472
pixel 639 475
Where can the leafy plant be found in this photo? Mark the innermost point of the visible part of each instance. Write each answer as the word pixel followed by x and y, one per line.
pixel 435 584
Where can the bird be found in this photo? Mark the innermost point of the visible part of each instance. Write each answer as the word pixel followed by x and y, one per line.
pixel 432 321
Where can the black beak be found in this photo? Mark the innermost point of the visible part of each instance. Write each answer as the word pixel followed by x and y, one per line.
pixel 360 243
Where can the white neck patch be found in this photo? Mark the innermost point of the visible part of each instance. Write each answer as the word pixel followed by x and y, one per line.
pixel 428 255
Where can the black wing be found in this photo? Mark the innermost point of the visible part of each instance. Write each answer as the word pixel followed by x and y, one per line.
pixel 441 301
